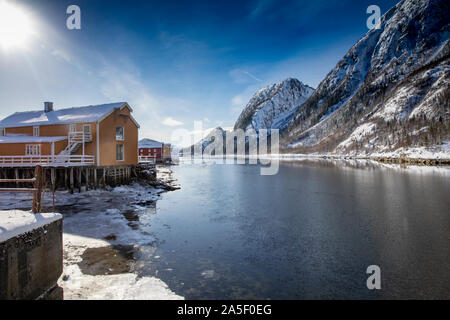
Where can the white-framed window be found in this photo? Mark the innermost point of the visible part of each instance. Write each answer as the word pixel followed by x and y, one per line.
pixel 73 127
pixel 33 149
pixel 36 131
pixel 2 131
pixel 87 128
pixel 120 152
pixel 120 133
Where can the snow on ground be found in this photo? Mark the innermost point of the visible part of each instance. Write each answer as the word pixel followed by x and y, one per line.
pixel 124 286
pixel 358 134
pixel 441 152
pixel 99 216
pixel 89 219
pixel 393 108
pixel 15 222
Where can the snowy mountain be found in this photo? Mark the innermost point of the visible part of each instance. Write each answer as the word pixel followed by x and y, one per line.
pixel 273 107
pixel 390 91
pixel 203 143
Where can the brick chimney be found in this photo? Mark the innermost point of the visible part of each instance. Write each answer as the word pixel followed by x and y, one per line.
pixel 48 106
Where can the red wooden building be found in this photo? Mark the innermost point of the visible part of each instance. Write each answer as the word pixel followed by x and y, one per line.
pixel 154 151
pixel 150 149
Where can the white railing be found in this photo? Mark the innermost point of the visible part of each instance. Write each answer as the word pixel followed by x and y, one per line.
pixel 47 161
pixel 80 136
pixel 76 139
pixel 147 159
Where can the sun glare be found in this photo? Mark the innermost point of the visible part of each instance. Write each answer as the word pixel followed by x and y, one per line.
pixel 15 26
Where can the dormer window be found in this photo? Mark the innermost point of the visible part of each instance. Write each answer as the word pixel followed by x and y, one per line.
pixel 119 133
pixel 2 132
pixel 36 131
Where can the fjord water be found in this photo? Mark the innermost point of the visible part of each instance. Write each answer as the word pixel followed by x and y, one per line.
pixel 308 232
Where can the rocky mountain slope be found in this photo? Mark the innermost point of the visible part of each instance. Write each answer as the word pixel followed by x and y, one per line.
pixel 390 91
pixel 273 107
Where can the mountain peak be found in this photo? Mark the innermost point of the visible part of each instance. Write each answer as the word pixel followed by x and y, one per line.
pixel 268 107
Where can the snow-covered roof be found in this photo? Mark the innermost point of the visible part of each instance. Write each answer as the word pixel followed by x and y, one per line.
pixel 29 139
pixel 149 143
pixel 85 114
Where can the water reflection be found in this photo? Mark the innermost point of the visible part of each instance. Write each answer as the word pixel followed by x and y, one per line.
pixel 308 232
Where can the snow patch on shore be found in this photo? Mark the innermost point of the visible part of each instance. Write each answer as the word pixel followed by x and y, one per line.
pixel 126 286
pixel 100 216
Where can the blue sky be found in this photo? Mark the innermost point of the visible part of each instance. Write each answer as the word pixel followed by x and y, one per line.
pixel 175 61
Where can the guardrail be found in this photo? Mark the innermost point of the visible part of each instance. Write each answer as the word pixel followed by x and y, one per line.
pixel 147 159
pixel 47 161
pixel 37 188
pixel 80 136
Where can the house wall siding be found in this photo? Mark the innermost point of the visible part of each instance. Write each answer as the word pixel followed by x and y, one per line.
pixel 60 146
pixel 12 149
pixel 19 149
pixel 20 130
pixel 54 130
pixel 108 140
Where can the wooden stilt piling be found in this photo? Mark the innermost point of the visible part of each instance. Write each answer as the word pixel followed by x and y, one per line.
pixel 71 181
pixel 79 180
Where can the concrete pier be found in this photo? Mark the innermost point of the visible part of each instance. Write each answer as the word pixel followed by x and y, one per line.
pixel 31 260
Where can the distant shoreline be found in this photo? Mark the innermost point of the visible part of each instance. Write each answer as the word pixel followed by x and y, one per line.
pixel 402 160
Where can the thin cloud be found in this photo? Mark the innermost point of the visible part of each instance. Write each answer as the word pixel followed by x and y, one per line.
pixel 171 122
pixel 62 54
pixel 252 76
pixel 238 100
pixel 242 76
pixel 261 8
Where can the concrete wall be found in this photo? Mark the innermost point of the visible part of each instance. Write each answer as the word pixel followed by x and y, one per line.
pixel 31 264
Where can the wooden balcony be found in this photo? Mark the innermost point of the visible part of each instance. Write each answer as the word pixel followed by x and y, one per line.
pixel 47 161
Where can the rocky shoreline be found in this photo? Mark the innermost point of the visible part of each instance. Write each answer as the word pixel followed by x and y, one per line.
pixel 414 161
pixel 387 159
